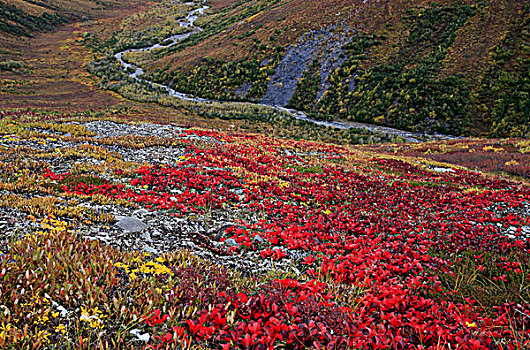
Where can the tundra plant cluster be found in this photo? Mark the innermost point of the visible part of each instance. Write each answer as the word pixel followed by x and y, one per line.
pixel 508 156
pixel 384 252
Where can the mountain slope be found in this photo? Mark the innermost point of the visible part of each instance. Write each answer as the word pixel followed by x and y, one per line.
pixel 454 67
pixel 24 18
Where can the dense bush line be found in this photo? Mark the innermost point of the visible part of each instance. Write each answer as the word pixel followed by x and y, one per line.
pixel 405 92
pixel 254 118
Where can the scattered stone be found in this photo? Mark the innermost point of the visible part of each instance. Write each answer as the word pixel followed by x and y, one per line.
pixel 231 242
pixel 167 233
pixel 239 191
pixel 131 224
pixel 63 312
pixel 257 238
pixel 146 236
pixel 296 271
pixel 323 43
pixel 143 337
pixel 443 170
pixel 141 212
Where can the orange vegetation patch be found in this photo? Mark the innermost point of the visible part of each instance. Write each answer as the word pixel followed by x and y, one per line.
pixel 509 156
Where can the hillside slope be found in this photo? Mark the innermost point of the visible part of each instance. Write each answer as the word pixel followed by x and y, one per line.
pixel 24 18
pixel 454 67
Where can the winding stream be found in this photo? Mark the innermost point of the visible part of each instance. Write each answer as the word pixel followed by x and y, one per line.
pixel 136 72
pixel 188 22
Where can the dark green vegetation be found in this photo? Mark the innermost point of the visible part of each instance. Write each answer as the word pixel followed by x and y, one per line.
pixel 504 93
pixel 306 88
pixel 406 92
pixel 227 80
pixel 14 21
pixel 25 18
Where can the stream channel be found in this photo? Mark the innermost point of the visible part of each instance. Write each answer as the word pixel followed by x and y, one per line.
pixel 189 22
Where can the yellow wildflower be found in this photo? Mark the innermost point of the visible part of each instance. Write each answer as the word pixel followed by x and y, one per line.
pixel 60 328
pixel 4 330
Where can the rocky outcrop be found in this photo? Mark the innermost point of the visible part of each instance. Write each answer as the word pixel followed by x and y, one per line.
pixel 324 45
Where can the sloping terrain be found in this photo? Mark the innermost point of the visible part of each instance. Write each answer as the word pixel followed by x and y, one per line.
pixel 48 72
pixel 125 225
pixel 23 18
pixel 131 235
pixel 458 67
pixel 454 68
pixel 43 65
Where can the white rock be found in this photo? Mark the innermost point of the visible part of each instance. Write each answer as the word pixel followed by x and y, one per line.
pixel 231 242
pixel 258 239
pixel 146 236
pixel 443 170
pixel 141 212
pixel 143 337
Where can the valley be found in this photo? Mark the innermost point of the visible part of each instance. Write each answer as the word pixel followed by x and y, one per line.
pixel 136 73
pixel 265 174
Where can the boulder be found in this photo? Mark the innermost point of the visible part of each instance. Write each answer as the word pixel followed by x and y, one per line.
pixel 231 242
pixel 131 224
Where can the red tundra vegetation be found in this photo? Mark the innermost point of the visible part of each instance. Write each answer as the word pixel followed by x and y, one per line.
pixel 384 252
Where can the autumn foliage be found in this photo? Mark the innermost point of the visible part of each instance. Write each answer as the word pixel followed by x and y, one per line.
pixel 384 252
